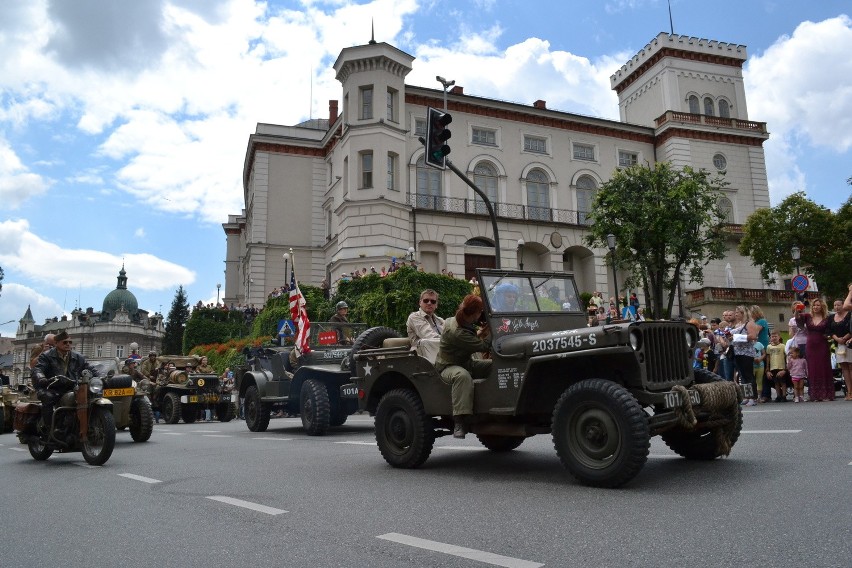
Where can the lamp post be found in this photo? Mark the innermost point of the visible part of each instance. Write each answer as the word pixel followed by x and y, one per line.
pixel 521 244
pixel 218 287
pixel 447 85
pixel 286 258
pixel 610 242
pixel 410 255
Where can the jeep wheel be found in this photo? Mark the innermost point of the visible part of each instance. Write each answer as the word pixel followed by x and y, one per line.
pixel 701 444
pixel 171 408
pixel 404 432
pixel 189 413
pixel 141 420
pixel 225 411
pixel 314 407
pixel 339 415
pixel 601 433
pixel 369 339
pixel 256 412
pixel 500 443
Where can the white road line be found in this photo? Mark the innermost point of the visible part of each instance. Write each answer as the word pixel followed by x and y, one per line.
pixel 247 505
pixel 759 411
pixel 470 553
pixel 358 443
pixel 272 438
pixel 662 456
pixel 87 466
pixel 205 431
pixel 216 436
pixel 174 433
pixel 139 478
pixel 463 448
pixel 18 450
pixel 770 431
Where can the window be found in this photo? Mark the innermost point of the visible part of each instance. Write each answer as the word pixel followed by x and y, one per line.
pixel 719 162
pixel 366 170
pixel 119 351
pixel 693 104
pixel 391 114
pixel 584 152
pixel 709 107
pixel 99 351
pixel 485 178
pixel 586 189
pixel 538 196
pixel 627 159
pixel 428 185
pixel 366 103
pixel 392 172
pixel 724 109
pixel 327 226
pixel 484 136
pixel 535 144
pixel 419 127
pixel 726 210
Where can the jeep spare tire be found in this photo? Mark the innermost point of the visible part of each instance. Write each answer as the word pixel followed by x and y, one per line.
pixel 369 339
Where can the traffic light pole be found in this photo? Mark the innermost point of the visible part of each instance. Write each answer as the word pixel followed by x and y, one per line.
pixel 488 205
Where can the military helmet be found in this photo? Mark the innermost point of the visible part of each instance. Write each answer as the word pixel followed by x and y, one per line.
pixel 340 305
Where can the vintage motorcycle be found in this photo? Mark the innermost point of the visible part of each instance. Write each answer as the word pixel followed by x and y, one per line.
pixel 82 422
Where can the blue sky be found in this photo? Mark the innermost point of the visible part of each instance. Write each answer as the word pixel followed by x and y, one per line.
pixel 123 124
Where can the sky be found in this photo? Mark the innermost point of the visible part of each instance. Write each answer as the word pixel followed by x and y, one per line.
pixel 124 124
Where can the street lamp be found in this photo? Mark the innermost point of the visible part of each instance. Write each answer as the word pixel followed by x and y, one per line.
pixel 286 258
pixel 521 253
pixel 610 242
pixel 447 85
pixel 410 255
pixel 218 287
pixel 797 255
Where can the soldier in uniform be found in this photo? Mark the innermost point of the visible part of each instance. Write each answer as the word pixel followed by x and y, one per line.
pixel 149 366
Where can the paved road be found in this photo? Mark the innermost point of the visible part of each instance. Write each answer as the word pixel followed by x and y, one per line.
pixel 218 495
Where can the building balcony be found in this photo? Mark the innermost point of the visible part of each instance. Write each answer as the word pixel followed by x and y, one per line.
pixel 704 120
pixel 460 206
pixel 775 304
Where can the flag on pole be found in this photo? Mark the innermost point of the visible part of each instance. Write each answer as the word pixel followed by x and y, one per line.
pixel 299 315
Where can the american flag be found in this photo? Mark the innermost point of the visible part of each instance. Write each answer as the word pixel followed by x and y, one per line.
pixel 299 315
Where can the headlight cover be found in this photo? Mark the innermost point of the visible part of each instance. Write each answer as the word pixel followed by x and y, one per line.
pixel 691 338
pixel 635 339
pixel 96 386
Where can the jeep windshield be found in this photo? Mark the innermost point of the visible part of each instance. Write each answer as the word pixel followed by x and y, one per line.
pixel 544 293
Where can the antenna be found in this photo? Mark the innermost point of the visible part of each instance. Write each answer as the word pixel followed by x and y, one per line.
pixel 311 100
pixel 671 22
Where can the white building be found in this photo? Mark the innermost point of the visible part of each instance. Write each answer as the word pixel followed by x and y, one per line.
pixel 352 191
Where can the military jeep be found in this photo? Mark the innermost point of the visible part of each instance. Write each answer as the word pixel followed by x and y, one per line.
pixel 183 393
pixel 310 388
pixel 131 407
pixel 602 392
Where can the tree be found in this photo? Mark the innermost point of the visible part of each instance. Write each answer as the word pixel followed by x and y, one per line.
pixel 821 236
pixel 667 223
pixel 175 323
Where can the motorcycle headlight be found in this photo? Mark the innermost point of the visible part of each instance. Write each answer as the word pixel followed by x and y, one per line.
pixel 96 386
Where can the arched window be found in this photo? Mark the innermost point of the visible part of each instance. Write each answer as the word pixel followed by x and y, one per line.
pixel 485 178
pixel 726 210
pixel 586 189
pixel 693 105
pixel 724 109
pixel 428 185
pixel 538 195
pixel 709 107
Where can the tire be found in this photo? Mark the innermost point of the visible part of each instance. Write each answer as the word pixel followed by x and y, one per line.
pixel 404 432
pixel 2 417
pixel 701 444
pixel 339 416
pixel 369 339
pixel 141 420
pixel 314 407
pixel 225 411
pixel 257 413
pixel 189 413
pixel 101 437
pixel 500 443
pixel 170 408
pixel 600 433
pixel 38 450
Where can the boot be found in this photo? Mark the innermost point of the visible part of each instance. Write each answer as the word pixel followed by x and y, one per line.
pixel 459 430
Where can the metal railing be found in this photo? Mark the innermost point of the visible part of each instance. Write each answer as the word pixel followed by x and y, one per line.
pixel 463 206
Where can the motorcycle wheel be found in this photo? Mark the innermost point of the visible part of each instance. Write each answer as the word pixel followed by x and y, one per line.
pixel 38 450
pixel 101 437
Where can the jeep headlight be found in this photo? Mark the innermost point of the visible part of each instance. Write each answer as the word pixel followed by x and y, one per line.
pixel 190 383
pixel 691 338
pixel 635 339
pixel 96 386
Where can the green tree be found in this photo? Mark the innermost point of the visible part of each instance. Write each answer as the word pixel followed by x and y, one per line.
pixel 176 323
pixel 667 224
pixel 213 325
pixel 821 236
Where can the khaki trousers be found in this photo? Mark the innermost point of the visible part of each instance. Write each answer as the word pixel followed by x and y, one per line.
pixel 461 380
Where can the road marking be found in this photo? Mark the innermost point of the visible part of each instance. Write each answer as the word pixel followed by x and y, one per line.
pixel 463 448
pixel 247 505
pixel 662 456
pixel 87 466
pixel 358 443
pixel 205 431
pixel 273 438
pixel 470 553
pixel 216 436
pixel 770 431
pixel 759 411
pixel 139 478
pixel 174 433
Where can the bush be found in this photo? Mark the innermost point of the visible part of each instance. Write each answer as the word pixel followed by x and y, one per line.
pixel 228 354
pixel 212 325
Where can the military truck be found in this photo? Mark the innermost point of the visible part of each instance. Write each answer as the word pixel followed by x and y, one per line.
pixel 131 405
pixel 602 392
pixel 182 393
pixel 310 388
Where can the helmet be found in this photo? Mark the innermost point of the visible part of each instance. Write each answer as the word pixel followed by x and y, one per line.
pixel 507 288
pixel 340 305
pixel 500 303
pixel 129 362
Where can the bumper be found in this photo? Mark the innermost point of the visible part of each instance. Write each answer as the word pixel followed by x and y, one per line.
pixel 205 398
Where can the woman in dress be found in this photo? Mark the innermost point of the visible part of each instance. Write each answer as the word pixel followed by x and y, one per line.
pixel 817 354
pixel 838 330
pixel 744 335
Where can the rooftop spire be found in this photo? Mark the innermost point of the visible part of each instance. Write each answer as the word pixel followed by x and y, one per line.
pixel 372 31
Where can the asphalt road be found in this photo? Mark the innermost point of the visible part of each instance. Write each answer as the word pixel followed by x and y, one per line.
pixel 213 495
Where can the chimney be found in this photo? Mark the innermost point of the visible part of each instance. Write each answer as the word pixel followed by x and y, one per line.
pixel 457 90
pixel 332 112
pixel 540 104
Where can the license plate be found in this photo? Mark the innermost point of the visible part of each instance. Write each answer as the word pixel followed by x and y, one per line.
pixel 348 391
pixel 119 392
pixel 673 399
pixel 748 392
pixel 194 398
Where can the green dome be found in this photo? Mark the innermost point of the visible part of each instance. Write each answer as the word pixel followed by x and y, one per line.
pixel 119 297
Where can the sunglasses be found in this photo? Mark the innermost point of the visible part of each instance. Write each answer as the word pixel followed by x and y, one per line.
pixel 67 342
pixel 429 301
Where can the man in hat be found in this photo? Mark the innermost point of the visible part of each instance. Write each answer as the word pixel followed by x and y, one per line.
pixel 59 361
pixel 149 366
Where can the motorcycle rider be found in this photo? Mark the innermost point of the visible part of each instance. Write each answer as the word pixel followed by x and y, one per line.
pixel 59 361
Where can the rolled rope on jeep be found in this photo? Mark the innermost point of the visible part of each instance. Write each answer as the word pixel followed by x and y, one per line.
pixel 722 400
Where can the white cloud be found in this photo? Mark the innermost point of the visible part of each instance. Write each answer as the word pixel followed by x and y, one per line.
pixel 16 299
pixel 42 261
pixel 17 183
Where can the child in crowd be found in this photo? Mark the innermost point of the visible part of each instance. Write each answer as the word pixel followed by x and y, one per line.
pixel 758 367
pixel 798 369
pixel 777 372
pixel 703 355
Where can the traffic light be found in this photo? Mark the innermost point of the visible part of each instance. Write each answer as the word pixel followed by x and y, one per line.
pixel 437 135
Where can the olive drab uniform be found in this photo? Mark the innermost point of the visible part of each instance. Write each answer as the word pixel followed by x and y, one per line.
pixel 456 366
pixel 148 367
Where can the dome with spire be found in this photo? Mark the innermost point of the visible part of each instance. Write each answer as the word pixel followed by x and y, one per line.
pixel 119 298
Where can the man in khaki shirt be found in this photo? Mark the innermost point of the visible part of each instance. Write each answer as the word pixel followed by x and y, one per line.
pixel 424 327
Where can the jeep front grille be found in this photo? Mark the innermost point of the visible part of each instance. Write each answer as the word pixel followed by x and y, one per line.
pixel 667 360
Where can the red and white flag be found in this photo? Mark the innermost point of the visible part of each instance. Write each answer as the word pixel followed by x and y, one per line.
pixel 299 315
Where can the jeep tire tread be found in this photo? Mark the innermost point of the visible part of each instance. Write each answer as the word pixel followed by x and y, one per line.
pixel 404 433
pixel 189 412
pixel 339 415
pixel 256 412
pixel 225 411
pixel 500 443
pixel 600 433
pixel 314 407
pixel 141 420
pixel 171 408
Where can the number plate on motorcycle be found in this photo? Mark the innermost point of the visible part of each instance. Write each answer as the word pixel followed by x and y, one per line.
pixel 674 399
pixel 119 392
